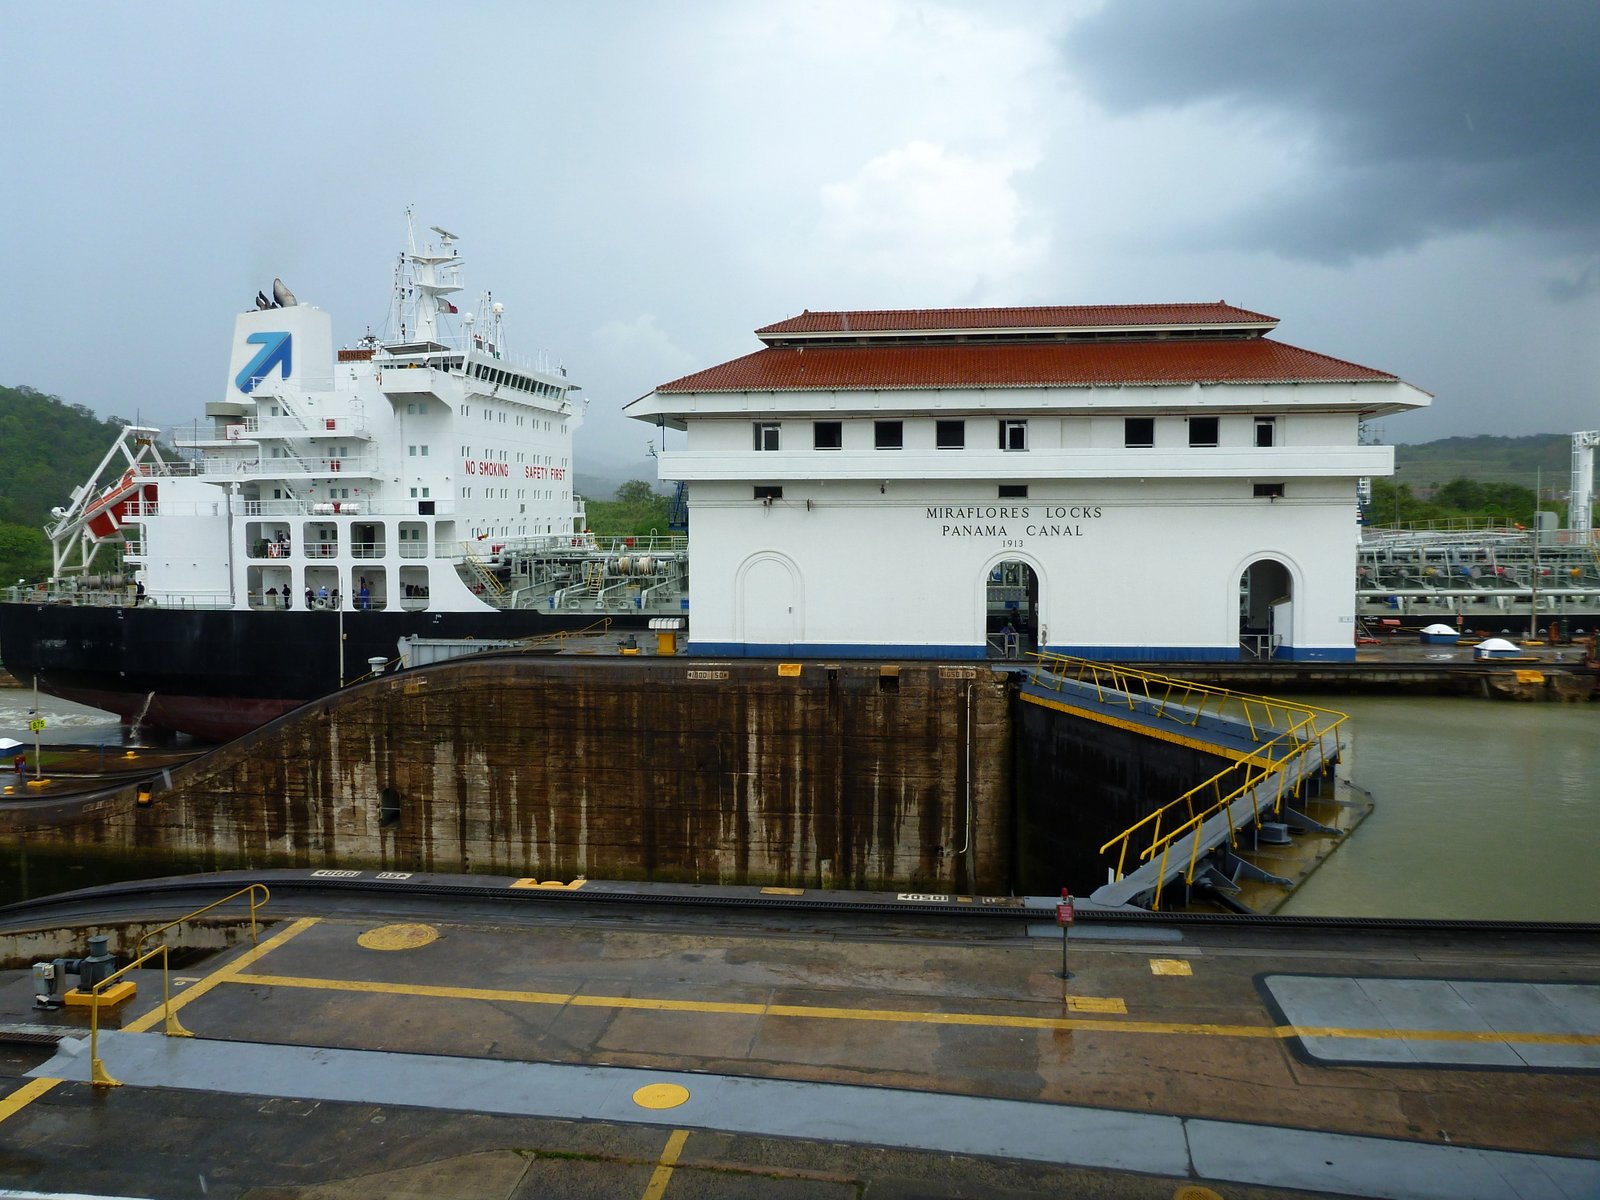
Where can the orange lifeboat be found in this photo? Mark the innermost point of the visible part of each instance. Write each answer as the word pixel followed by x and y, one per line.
pixel 109 512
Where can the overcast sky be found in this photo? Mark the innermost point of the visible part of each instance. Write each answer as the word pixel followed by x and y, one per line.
pixel 1414 186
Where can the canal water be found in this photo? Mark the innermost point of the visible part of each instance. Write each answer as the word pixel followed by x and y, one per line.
pixel 1484 809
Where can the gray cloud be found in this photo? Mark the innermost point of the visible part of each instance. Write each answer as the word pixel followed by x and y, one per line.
pixel 1425 119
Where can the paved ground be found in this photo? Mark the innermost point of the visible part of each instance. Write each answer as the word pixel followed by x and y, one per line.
pixel 610 1052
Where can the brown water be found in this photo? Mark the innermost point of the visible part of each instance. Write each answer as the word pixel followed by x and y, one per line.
pixel 1484 809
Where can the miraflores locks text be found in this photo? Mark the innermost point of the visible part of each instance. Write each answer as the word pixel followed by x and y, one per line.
pixel 997 520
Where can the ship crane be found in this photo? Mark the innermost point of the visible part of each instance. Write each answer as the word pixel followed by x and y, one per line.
pixel 1580 504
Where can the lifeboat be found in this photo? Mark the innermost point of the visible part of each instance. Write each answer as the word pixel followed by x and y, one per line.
pixel 133 494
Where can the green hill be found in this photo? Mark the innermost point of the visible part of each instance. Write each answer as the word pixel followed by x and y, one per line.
pixel 1543 459
pixel 47 448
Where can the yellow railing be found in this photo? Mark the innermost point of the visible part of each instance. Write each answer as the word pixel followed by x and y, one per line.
pixel 1165 697
pixel 1199 804
pixel 1291 732
pixel 97 1068
pixel 250 891
pixel 98 1074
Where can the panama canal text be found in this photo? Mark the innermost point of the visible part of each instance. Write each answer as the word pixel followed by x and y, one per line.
pixel 1011 523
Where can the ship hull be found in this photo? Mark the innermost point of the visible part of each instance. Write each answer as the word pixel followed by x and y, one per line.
pixel 216 674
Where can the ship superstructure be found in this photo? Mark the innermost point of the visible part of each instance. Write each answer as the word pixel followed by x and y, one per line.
pixel 416 483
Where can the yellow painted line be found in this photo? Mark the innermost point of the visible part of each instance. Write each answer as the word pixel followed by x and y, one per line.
pixel 25 1095
pixel 1097 1004
pixel 221 975
pixel 1170 966
pixel 662 1175
pixel 899 1016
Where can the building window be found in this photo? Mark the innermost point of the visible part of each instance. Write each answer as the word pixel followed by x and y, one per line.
pixel 1013 491
pixel 1139 431
pixel 768 493
pixel 949 435
pixel 1202 431
pixel 766 433
pixel 1013 435
pixel 1266 431
pixel 888 435
pixel 1270 491
pixel 827 435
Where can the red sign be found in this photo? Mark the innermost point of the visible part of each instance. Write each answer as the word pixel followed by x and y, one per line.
pixel 1064 912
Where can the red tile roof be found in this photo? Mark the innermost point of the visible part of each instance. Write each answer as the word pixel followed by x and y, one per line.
pixel 1059 316
pixel 1026 364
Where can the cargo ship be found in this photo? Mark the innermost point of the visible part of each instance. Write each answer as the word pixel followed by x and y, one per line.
pixel 334 503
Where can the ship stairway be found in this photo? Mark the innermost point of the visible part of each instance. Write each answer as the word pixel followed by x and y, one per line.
pixel 1276 751
pixel 481 572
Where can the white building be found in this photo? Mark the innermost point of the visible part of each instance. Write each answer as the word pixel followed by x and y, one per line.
pixel 1150 482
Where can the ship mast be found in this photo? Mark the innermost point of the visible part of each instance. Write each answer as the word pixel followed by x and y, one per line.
pixel 425 281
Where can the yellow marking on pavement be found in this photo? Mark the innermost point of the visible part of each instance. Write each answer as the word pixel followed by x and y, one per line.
pixel 25 1095
pixel 555 884
pixel 1170 966
pixel 221 975
pixel 778 891
pixel 902 1016
pixel 398 937
pixel 662 1175
pixel 661 1095
pixel 1096 1004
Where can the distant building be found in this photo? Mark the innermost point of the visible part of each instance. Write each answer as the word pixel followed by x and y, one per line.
pixel 1154 481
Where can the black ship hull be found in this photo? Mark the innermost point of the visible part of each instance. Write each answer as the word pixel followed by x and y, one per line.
pixel 216 674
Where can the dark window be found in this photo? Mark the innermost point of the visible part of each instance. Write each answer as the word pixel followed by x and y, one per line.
pixel 389 807
pixel 1013 491
pixel 1202 431
pixel 1139 431
pixel 888 435
pixel 766 435
pixel 827 435
pixel 1270 490
pixel 1013 435
pixel 1266 431
pixel 949 435
pixel 769 493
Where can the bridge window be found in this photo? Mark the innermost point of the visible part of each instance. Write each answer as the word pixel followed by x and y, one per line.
pixel 1202 431
pixel 888 435
pixel 1013 491
pixel 1139 431
pixel 1013 435
pixel 767 435
pixel 827 435
pixel 949 435
pixel 1266 431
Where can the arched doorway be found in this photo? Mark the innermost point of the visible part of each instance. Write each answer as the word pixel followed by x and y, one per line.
pixel 1011 608
pixel 1266 608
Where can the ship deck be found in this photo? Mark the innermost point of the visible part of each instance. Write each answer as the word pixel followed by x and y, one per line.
pixel 483 1039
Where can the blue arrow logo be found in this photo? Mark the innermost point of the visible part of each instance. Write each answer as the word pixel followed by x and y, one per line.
pixel 274 352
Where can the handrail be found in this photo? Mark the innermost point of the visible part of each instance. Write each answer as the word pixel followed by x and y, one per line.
pixel 97 1068
pixel 1296 730
pixel 250 890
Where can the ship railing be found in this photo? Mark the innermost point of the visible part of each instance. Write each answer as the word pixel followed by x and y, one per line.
pixel 413 550
pixel 367 549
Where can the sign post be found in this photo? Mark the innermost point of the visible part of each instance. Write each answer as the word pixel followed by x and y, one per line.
pixel 1064 917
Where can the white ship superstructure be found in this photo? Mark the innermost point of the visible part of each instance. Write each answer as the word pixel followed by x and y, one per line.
pixel 371 472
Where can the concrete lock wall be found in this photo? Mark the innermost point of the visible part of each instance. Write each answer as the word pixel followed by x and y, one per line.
pixel 857 775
